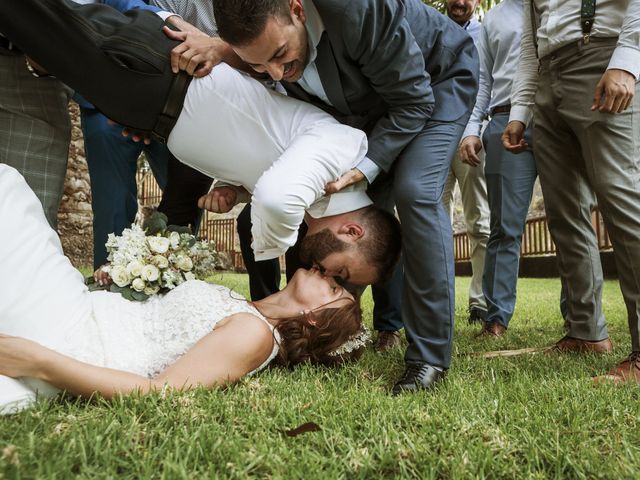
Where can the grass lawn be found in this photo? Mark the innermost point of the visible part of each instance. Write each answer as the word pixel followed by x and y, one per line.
pixel 532 416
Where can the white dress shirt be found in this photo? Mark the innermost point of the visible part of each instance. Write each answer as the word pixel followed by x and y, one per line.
pixel 198 13
pixel 473 28
pixel 283 150
pixel 560 26
pixel 498 48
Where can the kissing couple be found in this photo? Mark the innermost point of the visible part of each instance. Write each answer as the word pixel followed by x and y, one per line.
pixel 58 335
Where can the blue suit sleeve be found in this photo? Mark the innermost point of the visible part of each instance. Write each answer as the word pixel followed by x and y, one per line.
pixel 124 5
pixel 379 39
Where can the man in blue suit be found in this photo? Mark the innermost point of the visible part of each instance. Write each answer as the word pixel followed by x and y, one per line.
pixel 407 75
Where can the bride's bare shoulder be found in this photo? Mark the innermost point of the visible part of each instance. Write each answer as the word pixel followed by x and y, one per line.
pixel 248 327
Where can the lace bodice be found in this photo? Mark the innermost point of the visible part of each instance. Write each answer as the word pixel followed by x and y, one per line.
pixel 145 337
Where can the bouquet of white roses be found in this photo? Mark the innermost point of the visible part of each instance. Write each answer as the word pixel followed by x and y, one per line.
pixel 156 258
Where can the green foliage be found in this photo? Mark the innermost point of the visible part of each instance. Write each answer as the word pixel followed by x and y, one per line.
pixel 179 229
pixel 156 223
pixel 532 416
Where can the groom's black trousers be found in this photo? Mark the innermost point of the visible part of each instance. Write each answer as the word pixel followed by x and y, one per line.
pixel 120 63
pixel 117 61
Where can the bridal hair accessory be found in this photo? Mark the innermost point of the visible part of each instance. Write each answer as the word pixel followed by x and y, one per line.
pixel 355 342
pixel 156 258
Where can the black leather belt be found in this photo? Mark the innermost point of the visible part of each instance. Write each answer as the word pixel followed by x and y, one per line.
pixel 8 45
pixel 500 109
pixel 172 107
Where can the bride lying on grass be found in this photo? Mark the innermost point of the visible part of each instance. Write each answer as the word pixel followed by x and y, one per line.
pixel 55 334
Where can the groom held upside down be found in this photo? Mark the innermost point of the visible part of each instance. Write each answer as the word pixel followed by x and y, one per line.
pixel 226 125
pixel 121 64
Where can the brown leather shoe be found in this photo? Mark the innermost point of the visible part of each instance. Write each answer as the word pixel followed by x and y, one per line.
pixel 491 329
pixel 575 345
pixel 386 341
pixel 627 371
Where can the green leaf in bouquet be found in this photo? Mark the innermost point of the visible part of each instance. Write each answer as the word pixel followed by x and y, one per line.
pixel 129 293
pixel 179 229
pixel 155 223
pixel 139 296
pixel 126 292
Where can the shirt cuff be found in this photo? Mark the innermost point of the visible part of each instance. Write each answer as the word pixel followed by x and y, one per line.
pixel 164 15
pixel 521 114
pixel 473 129
pixel 627 59
pixel 268 254
pixel 369 169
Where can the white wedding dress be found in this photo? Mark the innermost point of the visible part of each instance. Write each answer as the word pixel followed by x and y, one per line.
pixel 43 298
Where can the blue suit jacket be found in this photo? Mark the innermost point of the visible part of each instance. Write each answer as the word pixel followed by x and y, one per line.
pixel 388 66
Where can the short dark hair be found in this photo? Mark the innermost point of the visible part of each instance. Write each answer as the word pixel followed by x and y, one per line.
pixel 382 242
pixel 240 21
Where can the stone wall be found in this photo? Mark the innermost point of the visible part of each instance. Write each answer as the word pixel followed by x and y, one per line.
pixel 74 217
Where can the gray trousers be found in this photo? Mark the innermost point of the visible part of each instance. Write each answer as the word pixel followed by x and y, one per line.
pixel 510 181
pixel 475 206
pixel 577 151
pixel 34 130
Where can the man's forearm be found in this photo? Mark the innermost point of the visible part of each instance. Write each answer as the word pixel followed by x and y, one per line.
pixel 484 87
pixel 626 56
pixel 526 81
pixel 223 49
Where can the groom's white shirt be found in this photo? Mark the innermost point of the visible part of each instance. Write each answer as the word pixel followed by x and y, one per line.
pixel 283 150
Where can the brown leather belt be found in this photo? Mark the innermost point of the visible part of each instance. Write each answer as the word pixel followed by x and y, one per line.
pixel 500 109
pixel 172 107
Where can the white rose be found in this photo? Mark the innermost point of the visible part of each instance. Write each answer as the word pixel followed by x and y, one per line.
pixel 158 244
pixel 174 239
pixel 150 273
pixel 184 263
pixel 134 268
pixel 150 290
pixel 120 276
pixel 189 276
pixel 138 284
pixel 160 261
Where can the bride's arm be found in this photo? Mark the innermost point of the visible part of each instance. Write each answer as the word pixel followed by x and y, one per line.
pixel 223 356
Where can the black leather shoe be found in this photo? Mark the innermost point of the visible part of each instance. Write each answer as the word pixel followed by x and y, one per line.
pixel 418 376
pixel 476 315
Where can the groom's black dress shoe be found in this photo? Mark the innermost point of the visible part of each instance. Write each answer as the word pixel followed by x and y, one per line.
pixel 418 376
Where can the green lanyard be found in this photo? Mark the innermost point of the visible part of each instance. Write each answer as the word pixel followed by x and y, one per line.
pixel 587 14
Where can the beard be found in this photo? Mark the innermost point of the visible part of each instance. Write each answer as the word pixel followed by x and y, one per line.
pixel 315 248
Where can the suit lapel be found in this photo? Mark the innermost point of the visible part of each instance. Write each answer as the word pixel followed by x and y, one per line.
pixel 329 75
pixel 295 90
